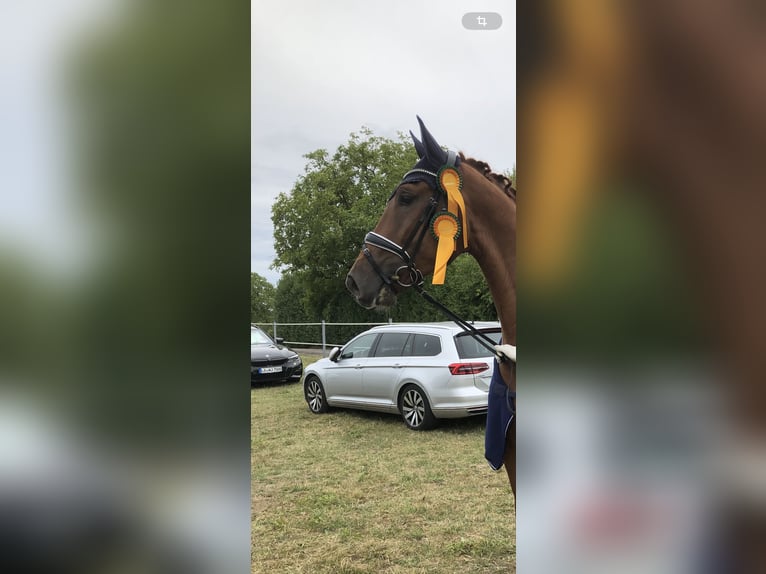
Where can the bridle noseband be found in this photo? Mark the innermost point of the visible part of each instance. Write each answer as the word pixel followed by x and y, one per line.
pixel 415 276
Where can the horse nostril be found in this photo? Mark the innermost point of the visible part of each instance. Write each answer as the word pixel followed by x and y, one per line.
pixel 351 285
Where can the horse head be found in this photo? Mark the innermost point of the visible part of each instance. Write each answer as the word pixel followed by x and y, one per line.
pixel 418 233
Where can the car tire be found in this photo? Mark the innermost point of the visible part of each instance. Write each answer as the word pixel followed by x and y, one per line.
pixel 315 396
pixel 415 410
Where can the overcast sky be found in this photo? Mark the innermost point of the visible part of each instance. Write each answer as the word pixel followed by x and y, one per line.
pixel 321 70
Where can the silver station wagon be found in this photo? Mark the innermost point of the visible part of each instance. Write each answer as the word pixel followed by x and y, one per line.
pixel 423 371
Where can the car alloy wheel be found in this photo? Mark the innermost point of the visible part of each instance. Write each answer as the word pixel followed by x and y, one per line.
pixel 415 409
pixel 315 396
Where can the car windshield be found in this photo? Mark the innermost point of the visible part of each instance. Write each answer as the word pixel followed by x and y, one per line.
pixel 258 337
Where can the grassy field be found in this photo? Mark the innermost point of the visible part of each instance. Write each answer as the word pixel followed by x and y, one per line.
pixel 353 492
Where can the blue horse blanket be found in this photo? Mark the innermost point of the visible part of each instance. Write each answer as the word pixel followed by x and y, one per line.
pixel 501 408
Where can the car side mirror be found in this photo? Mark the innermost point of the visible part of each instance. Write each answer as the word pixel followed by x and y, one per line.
pixel 334 355
pixel 280 340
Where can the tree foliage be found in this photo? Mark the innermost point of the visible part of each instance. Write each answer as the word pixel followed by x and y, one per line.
pixel 290 307
pixel 319 224
pixel 261 299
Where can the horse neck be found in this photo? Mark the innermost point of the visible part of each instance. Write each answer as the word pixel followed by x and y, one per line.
pixel 492 242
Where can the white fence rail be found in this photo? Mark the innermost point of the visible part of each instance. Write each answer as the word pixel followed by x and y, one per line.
pixel 323 324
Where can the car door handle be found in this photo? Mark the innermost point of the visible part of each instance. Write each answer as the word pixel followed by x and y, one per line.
pixel 397 366
pixel 358 366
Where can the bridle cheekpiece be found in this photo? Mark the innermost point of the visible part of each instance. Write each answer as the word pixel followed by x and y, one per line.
pixel 446 225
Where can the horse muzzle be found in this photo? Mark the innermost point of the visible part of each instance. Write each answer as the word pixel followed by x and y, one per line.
pixel 373 285
pixel 382 297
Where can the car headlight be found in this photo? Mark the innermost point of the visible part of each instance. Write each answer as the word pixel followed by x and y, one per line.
pixel 294 361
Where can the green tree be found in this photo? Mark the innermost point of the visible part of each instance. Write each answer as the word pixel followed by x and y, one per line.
pixel 319 224
pixel 290 307
pixel 261 299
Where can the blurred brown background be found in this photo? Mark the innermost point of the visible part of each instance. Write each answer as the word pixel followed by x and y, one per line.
pixel 641 241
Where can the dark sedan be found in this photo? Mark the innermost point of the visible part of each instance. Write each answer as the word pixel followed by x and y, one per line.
pixel 271 361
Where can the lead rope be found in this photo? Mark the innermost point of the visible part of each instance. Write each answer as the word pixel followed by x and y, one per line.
pixel 480 337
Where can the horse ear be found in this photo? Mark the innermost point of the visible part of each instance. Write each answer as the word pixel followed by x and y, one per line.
pixel 433 150
pixel 418 145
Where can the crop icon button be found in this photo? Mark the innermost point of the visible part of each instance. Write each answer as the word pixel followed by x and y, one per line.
pixel 482 20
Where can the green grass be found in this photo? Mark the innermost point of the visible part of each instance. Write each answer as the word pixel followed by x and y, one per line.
pixel 354 492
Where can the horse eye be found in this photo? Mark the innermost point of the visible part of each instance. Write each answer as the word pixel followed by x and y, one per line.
pixel 405 198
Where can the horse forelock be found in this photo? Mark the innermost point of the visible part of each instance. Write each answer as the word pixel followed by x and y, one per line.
pixel 501 181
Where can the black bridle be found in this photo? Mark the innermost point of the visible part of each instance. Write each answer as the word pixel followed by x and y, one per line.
pixel 414 277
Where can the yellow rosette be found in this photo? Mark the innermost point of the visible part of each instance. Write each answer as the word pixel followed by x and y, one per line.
pixel 446 229
pixel 451 183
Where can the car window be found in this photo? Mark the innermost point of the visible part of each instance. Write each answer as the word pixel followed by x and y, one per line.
pixel 424 346
pixel 359 347
pixel 391 344
pixel 470 348
pixel 258 337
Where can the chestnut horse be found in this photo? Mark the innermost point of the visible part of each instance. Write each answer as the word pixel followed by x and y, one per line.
pixel 403 247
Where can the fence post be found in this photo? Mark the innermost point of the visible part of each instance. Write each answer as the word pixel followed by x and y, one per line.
pixel 324 341
pixel 275 330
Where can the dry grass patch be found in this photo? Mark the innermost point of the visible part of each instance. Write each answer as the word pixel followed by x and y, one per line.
pixel 352 492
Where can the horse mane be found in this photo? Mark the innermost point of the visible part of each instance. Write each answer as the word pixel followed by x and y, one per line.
pixel 499 180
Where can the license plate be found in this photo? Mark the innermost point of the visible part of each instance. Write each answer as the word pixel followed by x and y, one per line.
pixel 264 370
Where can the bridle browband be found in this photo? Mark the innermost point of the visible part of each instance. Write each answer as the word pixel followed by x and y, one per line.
pixel 414 277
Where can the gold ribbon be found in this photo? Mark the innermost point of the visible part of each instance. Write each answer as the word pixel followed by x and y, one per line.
pixel 446 226
pixel 450 182
pixel 446 229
